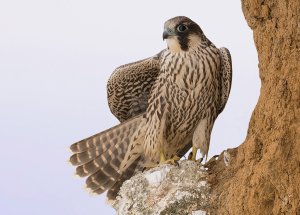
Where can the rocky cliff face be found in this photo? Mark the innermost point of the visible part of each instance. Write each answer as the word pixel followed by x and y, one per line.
pixel 264 174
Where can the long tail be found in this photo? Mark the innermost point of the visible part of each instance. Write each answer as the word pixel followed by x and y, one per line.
pixel 99 156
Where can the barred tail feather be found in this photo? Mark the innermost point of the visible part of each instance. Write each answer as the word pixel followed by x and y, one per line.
pixel 99 156
pixel 112 157
pixel 91 147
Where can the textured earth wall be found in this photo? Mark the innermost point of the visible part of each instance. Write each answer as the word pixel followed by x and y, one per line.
pixel 263 176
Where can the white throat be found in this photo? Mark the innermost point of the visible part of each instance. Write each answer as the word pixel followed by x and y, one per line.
pixel 173 45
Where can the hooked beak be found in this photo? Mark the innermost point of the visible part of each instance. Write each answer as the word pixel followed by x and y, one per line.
pixel 168 33
pixel 165 34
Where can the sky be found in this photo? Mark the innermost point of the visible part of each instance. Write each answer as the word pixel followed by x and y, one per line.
pixel 55 59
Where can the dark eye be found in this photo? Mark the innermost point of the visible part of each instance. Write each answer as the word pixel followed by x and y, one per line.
pixel 181 28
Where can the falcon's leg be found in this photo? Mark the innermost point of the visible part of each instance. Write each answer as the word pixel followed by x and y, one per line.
pixel 194 154
pixel 162 157
pixel 201 137
pixel 172 160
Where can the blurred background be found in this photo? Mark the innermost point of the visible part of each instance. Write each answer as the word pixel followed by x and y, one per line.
pixel 55 60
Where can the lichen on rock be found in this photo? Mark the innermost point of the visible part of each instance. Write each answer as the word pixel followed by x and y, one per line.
pixel 165 190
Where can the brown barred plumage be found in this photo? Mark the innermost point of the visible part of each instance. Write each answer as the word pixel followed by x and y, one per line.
pixel 129 86
pixel 165 104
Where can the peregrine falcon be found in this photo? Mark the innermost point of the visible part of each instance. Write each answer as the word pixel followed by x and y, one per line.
pixel 166 104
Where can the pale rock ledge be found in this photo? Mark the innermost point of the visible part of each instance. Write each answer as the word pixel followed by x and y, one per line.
pixel 165 190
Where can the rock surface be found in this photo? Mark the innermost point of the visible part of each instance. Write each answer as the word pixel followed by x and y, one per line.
pixel 167 189
pixel 264 174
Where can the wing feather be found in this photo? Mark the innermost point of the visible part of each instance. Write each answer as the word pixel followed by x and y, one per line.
pixel 226 77
pixel 129 86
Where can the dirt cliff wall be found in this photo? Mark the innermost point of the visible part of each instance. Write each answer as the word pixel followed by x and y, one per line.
pixel 264 172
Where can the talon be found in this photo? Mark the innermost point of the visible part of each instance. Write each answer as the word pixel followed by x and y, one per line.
pixel 176 158
pixel 172 161
pixel 200 160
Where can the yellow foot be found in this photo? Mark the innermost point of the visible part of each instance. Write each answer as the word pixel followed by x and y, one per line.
pixel 174 161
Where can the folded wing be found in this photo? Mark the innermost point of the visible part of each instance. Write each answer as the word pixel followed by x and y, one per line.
pixel 226 77
pixel 129 86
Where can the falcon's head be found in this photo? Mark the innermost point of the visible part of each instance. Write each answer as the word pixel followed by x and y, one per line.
pixel 182 34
